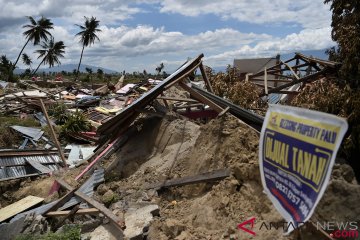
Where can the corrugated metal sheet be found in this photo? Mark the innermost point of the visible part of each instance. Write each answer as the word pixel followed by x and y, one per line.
pixel 274 98
pixel 15 166
pixel 34 133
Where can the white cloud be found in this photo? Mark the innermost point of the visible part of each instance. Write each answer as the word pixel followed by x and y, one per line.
pixel 308 39
pixel 307 13
pixel 144 46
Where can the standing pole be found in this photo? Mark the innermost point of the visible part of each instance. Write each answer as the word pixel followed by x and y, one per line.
pixel 53 132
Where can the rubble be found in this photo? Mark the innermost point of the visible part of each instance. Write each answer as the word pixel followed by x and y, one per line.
pixel 180 162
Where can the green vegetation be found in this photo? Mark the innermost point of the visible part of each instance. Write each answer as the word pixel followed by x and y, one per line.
pixel 51 52
pixel 7 137
pixel 76 122
pixel 36 31
pixel 68 233
pixel 346 32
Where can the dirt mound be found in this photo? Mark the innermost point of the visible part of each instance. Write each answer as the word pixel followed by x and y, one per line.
pixel 213 211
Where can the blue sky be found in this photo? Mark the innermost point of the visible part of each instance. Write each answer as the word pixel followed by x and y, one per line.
pixel 140 34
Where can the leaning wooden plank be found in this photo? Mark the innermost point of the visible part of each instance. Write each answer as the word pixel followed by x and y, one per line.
pixel 38 166
pixel 205 78
pixel 70 215
pixel 119 223
pixel 178 99
pixel 203 177
pixel 201 98
pixel 18 207
pixel 292 71
pixel 79 212
pixel 61 201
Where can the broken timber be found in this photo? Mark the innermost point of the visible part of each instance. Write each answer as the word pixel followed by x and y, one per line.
pixel 112 217
pixel 84 211
pixel 203 177
pixel 250 118
pixel 111 129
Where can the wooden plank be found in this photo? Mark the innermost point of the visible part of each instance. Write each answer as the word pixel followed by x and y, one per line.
pixel 64 184
pixel 182 77
pixel 119 223
pixel 179 99
pixel 70 214
pixel 85 211
pixel 292 71
pixel 223 112
pixel 201 98
pixel 265 82
pixel 203 177
pixel 19 206
pixel 38 166
pixel 308 78
pixel 205 78
pixel 53 133
pixel 61 201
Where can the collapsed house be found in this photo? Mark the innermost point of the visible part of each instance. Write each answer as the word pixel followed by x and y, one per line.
pixel 169 175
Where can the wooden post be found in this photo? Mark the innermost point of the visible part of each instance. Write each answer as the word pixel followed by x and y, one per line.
pixel 53 133
pixel 265 82
pixel 201 98
pixel 206 79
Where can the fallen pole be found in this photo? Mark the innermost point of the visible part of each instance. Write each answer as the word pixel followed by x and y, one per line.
pixel 53 133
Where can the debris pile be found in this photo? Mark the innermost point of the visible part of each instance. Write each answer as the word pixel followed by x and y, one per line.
pixel 157 159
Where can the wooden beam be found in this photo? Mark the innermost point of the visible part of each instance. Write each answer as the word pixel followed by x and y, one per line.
pixel 292 71
pixel 38 166
pixel 189 106
pixel 304 79
pixel 260 85
pixel 70 214
pixel 112 217
pixel 201 98
pixel 53 133
pixel 265 82
pixel 182 77
pixel 205 78
pixel 119 223
pixel 203 177
pixel 61 201
pixel 64 184
pixel 85 211
pixel 223 112
pixel 179 99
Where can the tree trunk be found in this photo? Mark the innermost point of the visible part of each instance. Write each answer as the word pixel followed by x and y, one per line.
pixel 20 53
pixel 38 66
pixel 77 72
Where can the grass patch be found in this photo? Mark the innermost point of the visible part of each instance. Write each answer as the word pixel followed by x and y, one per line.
pixel 68 233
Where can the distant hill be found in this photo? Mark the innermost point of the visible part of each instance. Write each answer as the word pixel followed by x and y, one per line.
pixel 69 68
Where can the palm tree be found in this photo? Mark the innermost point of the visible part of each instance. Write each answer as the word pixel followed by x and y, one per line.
pixel 6 68
pixel 26 60
pixel 37 31
pixel 159 68
pixel 87 36
pixel 51 52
